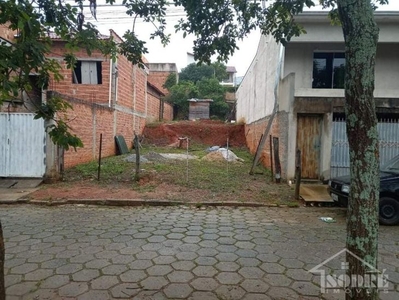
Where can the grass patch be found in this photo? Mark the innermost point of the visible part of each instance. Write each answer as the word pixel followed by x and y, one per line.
pixel 213 180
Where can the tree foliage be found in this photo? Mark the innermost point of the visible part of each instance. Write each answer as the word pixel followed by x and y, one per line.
pixel 178 96
pixel 210 88
pixel 194 72
pixel 171 80
pixel 199 81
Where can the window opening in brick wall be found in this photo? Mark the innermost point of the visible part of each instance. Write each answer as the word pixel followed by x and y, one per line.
pixel 87 72
pixel 328 70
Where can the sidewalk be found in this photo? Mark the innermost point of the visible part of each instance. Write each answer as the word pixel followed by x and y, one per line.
pixel 12 190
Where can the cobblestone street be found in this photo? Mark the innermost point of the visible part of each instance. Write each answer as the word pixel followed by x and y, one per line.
pixel 87 252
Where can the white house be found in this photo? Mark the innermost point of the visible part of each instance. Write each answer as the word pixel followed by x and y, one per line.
pixel 305 82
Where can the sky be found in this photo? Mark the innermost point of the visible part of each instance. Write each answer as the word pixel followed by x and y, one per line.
pixel 114 17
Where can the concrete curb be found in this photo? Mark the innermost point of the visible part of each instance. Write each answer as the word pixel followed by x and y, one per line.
pixel 138 202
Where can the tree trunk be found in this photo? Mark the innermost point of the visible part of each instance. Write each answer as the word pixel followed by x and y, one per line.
pixel 361 37
pixel 2 255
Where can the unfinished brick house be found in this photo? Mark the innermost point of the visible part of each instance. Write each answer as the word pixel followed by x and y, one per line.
pixel 108 97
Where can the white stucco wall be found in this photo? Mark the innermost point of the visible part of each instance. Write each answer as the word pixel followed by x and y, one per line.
pixel 321 36
pixel 299 60
pixel 255 96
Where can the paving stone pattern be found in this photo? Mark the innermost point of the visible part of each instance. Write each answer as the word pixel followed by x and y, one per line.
pixel 86 252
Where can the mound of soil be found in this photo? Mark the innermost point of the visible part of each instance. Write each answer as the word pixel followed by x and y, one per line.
pixel 207 132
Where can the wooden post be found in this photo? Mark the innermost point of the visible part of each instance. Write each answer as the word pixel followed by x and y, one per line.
pixel 271 157
pixel 298 171
pixel 137 150
pixel 2 257
pixel 277 159
pixel 99 156
pixel 251 172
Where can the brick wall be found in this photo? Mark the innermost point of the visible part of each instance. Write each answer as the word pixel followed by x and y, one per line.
pixel 159 72
pixel 168 112
pixel 96 93
pixel 154 105
pixel 254 133
pixel 158 79
pixel 88 121
pixel 95 110
pixel 126 85
pixel 13 108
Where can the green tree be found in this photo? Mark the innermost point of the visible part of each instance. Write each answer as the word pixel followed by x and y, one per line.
pixel 220 71
pixel 171 80
pixel 217 26
pixel 211 89
pixel 194 72
pixel 178 96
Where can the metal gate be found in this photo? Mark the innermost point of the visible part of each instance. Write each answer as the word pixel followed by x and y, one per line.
pixel 22 145
pixel 388 131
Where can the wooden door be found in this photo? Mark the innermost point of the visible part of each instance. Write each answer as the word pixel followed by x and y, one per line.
pixel 309 142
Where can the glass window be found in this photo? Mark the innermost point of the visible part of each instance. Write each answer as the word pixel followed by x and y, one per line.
pixel 87 72
pixel 328 70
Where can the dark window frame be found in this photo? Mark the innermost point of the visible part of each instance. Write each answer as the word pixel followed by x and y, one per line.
pixel 77 72
pixel 329 73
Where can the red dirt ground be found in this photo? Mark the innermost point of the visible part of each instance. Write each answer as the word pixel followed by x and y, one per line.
pixel 207 132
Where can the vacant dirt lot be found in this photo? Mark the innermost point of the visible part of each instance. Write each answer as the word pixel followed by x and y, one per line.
pixel 201 180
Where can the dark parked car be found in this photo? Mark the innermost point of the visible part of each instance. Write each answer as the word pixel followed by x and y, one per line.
pixel 389 192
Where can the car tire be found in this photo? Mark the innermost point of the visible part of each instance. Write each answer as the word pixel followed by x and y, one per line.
pixel 388 211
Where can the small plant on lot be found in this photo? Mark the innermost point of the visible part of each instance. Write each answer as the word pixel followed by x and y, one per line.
pixel 111 168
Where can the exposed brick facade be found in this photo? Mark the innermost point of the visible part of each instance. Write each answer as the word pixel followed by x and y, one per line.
pixel 159 72
pixel 254 132
pixel 120 105
pixel 117 103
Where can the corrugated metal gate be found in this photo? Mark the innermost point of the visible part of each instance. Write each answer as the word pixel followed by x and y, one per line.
pixel 22 145
pixel 388 130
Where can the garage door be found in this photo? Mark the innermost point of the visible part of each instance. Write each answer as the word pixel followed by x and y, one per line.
pixel 388 131
pixel 22 145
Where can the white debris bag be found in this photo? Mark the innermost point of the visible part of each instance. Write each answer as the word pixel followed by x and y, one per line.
pixel 229 155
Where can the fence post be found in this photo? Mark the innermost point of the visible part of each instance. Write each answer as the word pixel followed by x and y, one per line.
pixel 298 171
pixel 2 256
pixel 137 150
pixel 271 157
pixel 99 156
pixel 277 159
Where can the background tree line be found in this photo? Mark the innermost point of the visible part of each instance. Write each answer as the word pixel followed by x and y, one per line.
pixel 201 82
